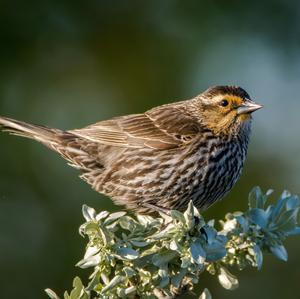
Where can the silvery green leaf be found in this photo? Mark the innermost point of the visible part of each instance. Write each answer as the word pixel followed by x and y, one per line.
pixel 287 220
pixel 149 251
pixel 89 214
pixel 278 208
pixel 195 279
pixel 292 202
pixel 211 222
pixel 215 251
pixel 229 225
pixel 210 233
pixel 91 250
pixel 260 199
pixel 258 217
pixel 114 282
pixel 251 260
pixel 237 214
pixel 127 253
pixel 124 237
pixel 205 294
pixel 129 271
pixel 94 281
pixel 164 281
pixel 255 198
pixel 113 226
pixel 127 223
pixel 252 198
pixel 176 280
pixel 130 290
pixel 101 215
pixel 78 291
pixel 91 261
pixel 90 228
pixel 51 294
pixel 258 256
pixel 280 252
pixel 66 295
pixel 269 211
pixel 189 212
pixel 160 259
pixel 227 280
pixel 189 215
pixel 197 213
pixel 104 278
pixel 243 222
pixel 197 252
pixel 295 231
pixel 104 235
pixel 144 274
pixel 176 215
pixel 145 220
pixel 174 245
pixel 185 262
pixel 165 217
pixel 222 239
pixel 139 243
pixel 82 230
pixel 122 293
pixel 264 198
pixel 163 273
pixel 164 233
pixel 286 194
pixel 112 217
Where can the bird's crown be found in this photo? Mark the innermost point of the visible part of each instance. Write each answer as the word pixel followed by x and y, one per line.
pixel 227 90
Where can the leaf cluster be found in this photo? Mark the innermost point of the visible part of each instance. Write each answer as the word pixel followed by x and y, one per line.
pixel 138 256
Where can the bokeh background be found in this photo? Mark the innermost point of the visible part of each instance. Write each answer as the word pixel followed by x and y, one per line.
pixel 67 64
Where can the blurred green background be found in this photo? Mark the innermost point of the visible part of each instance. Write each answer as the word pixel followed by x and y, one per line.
pixel 67 64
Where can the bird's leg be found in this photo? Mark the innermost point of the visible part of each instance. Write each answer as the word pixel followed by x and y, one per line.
pixel 156 208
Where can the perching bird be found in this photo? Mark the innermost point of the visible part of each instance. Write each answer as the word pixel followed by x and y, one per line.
pixel 163 158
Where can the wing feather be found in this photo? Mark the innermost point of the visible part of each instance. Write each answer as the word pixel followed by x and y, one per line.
pixel 161 128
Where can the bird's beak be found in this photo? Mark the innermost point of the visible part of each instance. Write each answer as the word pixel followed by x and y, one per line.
pixel 248 107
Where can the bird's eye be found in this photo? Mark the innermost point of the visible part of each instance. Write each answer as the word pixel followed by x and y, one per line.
pixel 224 103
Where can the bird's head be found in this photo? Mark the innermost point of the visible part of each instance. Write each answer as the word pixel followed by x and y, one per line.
pixel 226 109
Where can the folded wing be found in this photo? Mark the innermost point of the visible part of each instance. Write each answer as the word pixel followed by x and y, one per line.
pixel 164 127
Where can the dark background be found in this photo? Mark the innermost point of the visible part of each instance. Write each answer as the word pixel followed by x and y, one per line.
pixel 67 64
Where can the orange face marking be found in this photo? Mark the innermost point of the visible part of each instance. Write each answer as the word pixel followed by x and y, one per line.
pixel 234 101
pixel 222 117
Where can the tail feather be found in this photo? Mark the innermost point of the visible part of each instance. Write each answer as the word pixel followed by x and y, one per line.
pixel 37 132
pixel 76 150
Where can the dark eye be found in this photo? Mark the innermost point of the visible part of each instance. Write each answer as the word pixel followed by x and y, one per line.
pixel 224 103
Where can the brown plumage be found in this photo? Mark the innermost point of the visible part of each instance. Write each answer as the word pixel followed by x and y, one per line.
pixel 165 157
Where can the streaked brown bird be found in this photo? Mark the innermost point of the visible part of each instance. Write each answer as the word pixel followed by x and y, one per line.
pixel 163 158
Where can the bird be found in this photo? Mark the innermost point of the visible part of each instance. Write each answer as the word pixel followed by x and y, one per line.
pixel 160 160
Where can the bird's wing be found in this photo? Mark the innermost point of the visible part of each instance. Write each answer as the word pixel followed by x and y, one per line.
pixel 163 127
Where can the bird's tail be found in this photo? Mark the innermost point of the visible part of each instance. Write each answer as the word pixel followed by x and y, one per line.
pixel 37 132
pixel 74 149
